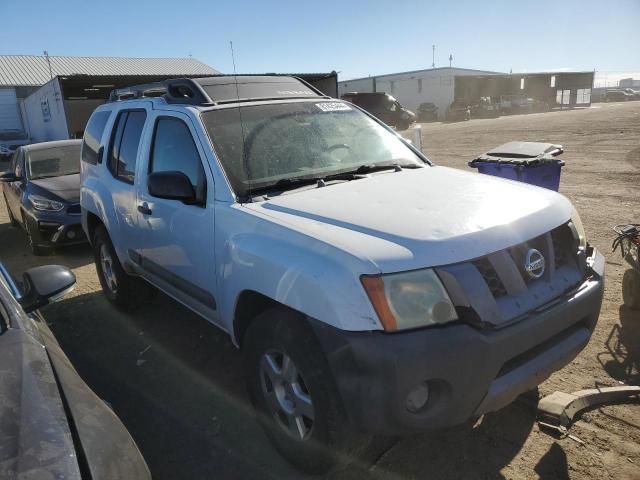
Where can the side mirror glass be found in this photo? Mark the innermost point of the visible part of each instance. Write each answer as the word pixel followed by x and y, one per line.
pixel 45 284
pixel 8 177
pixel 172 186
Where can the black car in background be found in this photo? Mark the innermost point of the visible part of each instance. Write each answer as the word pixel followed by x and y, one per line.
pixel 617 96
pixel 459 110
pixel 382 106
pixel 42 193
pixel 427 112
pixel 52 425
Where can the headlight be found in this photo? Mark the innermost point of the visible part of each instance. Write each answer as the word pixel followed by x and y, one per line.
pixel 577 223
pixel 45 204
pixel 409 299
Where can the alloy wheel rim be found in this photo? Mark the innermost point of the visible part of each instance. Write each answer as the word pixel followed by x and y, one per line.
pixel 106 262
pixel 286 394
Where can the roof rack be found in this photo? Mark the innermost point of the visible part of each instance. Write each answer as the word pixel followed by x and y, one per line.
pixel 177 90
pixel 225 89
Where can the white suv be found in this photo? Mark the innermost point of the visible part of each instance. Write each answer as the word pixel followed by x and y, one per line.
pixel 369 290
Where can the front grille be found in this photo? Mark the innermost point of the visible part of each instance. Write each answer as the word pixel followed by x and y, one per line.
pixel 74 209
pixel 563 243
pixel 511 292
pixel 490 277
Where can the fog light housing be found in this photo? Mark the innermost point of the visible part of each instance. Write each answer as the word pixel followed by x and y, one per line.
pixel 418 397
pixel 71 234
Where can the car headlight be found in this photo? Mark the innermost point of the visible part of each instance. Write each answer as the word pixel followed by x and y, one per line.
pixel 577 223
pixel 45 204
pixel 409 299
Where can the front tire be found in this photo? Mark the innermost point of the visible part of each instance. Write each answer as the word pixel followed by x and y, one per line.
pixel 12 221
pixel 294 393
pixel 125 291
pixel 37 250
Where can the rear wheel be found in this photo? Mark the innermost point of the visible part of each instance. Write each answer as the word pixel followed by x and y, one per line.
pixel 123 290
pixel 631 289
pixel 294 392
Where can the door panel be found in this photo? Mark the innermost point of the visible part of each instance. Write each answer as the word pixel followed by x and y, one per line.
pixel 177 239
pixel 124 150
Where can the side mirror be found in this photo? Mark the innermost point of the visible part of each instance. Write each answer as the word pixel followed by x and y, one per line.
pixel 7 177
pixel 45 284
pixel 172 186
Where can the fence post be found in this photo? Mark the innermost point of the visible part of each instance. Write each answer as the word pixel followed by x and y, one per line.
pixel 417 136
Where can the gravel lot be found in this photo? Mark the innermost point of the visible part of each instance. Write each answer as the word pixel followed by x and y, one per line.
pixel 176 381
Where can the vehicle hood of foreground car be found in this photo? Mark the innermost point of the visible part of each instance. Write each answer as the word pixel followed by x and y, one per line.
pixel 420 218
pixel 33 424
pixel 35 434
pixel 66 187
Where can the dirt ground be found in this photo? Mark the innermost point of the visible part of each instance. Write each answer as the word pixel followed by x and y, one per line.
pixel 176 381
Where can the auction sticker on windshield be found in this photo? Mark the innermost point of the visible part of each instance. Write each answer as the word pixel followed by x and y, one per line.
pixel 333 107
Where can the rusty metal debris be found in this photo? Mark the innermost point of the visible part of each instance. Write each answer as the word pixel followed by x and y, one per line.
pixel 556 411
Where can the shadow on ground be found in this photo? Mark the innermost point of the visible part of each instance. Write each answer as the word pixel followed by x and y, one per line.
pixel 176 382
pixel 621 360
pixel 17 257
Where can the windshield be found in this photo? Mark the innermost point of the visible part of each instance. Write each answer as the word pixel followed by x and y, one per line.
pixel 299 140
pixel 53 162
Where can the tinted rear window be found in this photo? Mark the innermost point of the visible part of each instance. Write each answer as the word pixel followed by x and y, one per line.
pixel 92 136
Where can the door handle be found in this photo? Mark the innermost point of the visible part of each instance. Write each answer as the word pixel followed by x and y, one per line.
pixel 144 209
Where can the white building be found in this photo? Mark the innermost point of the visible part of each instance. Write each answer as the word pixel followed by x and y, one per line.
pixel 435 85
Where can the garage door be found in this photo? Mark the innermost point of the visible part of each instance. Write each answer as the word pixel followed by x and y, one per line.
pixel 9 111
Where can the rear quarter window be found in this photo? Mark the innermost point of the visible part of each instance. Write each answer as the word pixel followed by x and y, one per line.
pixel 92 136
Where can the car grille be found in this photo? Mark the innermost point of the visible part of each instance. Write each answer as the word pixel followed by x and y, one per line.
pixel 74 209
pixel 509 291
pixel 490 277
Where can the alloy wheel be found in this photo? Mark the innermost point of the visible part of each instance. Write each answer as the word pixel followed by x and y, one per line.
pixel 108 273
pixel 288 398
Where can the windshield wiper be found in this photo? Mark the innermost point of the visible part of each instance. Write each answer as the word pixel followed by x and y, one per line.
pixel 284 184
pixel 371 168
pixel 288 183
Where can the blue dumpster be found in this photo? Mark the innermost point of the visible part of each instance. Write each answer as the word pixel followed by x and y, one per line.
pixel 529 162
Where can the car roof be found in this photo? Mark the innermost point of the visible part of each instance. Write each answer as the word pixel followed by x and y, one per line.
pixel 55 144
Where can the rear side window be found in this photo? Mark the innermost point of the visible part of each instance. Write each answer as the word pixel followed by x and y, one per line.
pixel 173 149
pixel 92 135
pixel 125 141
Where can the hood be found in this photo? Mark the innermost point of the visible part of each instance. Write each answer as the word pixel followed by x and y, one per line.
pixel 33 424
pixel 420 218
pixel 67 187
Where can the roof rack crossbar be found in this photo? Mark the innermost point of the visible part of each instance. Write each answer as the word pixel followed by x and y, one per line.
pixel 266 99
pixel 178 90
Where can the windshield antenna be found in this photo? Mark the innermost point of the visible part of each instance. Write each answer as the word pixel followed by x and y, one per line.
pixel 244 157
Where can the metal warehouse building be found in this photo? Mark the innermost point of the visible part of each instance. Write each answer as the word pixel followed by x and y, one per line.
pixel 22 76
pixel 442 86
pixel 556 89
pixel 435 85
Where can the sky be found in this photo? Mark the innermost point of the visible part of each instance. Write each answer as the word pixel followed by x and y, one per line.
pixel 356 38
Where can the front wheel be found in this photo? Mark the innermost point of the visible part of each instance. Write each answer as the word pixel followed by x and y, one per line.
pixel 36 249
pixel 123 290
pixel 12 221
pixel 294 392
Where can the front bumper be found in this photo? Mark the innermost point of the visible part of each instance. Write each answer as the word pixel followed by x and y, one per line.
pixel 55 229
pixel 469 371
